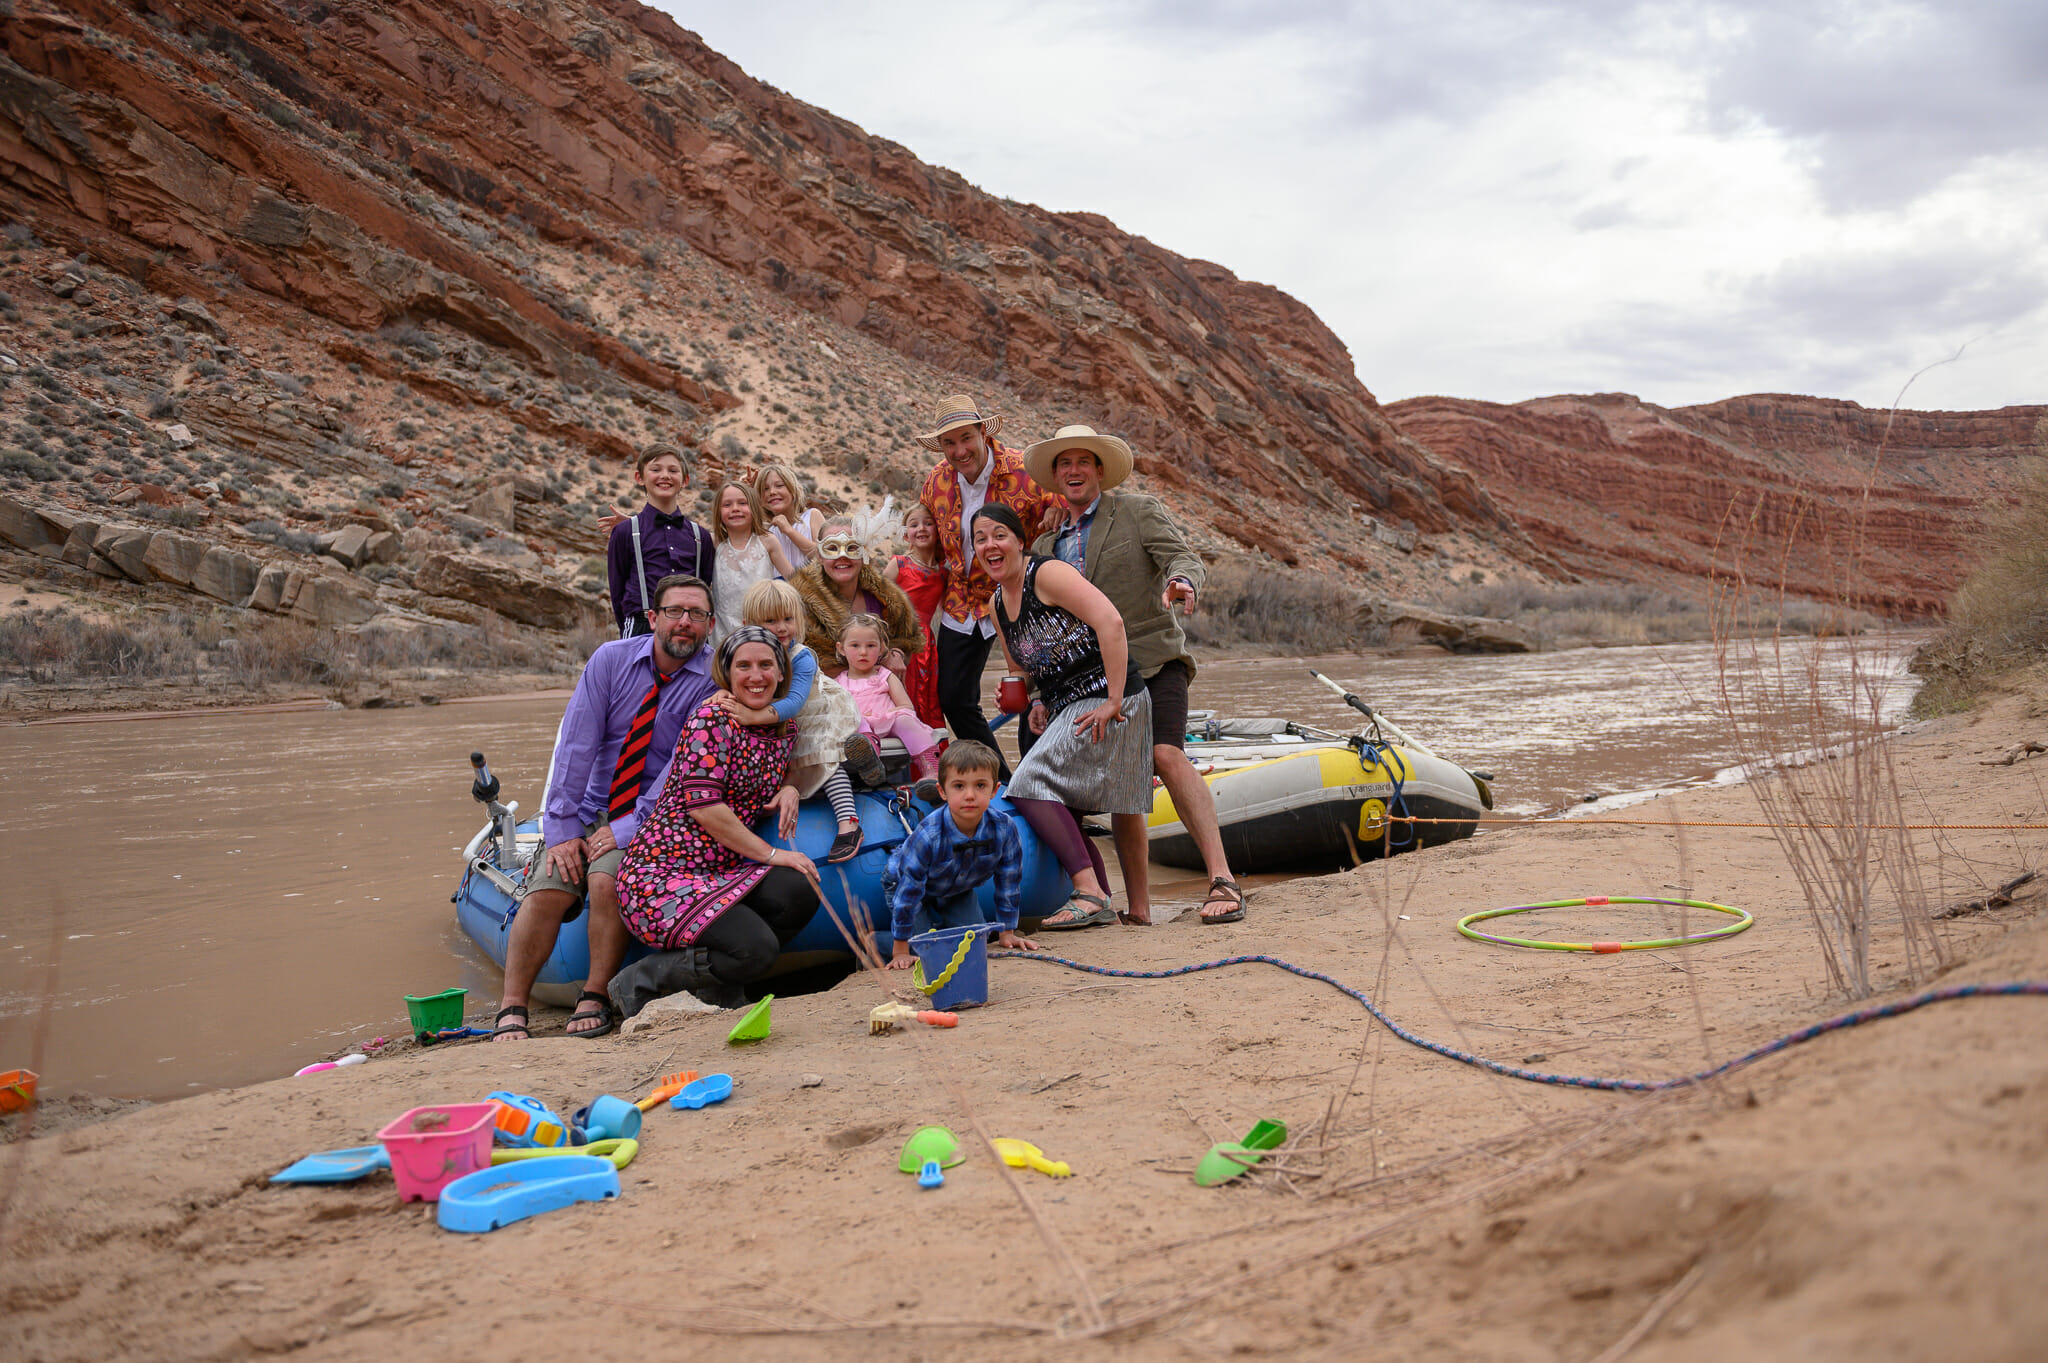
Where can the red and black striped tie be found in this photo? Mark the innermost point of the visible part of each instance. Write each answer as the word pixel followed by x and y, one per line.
pixel 632 770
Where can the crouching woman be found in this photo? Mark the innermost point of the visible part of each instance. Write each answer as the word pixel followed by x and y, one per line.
pixel 716 902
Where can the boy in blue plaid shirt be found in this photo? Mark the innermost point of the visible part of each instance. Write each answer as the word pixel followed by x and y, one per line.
pixel 932 878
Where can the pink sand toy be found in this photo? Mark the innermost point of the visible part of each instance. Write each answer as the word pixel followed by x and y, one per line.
pixel 431 1147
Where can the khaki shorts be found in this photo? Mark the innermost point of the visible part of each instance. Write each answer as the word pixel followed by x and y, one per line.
pixel 539 876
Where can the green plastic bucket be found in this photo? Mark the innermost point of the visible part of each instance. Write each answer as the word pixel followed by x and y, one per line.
pixel 432 1013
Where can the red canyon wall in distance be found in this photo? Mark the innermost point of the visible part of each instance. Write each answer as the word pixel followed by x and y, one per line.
pixel 371 164
pixel 1769 484
pixel 588 121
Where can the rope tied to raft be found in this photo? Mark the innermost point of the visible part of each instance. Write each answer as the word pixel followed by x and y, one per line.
pixel 1897 1008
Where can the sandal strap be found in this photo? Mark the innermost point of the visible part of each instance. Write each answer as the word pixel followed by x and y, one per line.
pixel 518 1008
pixel 588 995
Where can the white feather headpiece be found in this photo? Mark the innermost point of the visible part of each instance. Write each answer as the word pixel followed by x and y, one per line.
pixel 878 529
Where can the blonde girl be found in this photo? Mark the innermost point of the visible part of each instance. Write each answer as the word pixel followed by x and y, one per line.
pixel 748 552
pixel 825 714
pixel 790 518
pixel 885 710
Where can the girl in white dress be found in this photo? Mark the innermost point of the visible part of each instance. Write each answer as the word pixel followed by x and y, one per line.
pixel 748 552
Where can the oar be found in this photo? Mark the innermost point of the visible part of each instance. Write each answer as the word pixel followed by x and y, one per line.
pixel 1387 724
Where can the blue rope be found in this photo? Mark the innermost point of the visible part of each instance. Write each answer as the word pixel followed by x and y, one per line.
pixel 1372 751
pixel 1872 1014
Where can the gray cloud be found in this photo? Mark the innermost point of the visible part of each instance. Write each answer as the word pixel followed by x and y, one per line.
pixel 1893 99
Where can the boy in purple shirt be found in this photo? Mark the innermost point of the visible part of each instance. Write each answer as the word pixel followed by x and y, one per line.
pixel 581 835
pixel 655 541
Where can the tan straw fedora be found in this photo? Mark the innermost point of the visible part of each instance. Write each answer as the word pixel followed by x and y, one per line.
pixel 952 413
pixel 1114 454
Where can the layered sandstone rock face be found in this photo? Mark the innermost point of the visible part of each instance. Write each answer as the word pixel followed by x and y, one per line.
pixel 1828 499
pixel 333 159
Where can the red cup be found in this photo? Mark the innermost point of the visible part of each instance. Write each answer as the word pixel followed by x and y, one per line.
pixel 1012 697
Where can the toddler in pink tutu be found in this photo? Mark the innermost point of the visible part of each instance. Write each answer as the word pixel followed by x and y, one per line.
pixel 878 693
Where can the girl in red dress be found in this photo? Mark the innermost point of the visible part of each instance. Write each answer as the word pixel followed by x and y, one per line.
pixel 922 576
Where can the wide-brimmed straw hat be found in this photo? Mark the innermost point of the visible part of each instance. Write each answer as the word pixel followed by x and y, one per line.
pixel 1114 454
pixel 953 412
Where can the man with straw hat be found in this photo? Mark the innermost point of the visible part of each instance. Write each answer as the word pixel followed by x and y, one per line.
pixel 1125 544
pixel 974 471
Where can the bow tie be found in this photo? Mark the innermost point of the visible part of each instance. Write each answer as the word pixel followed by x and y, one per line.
pixel 675 522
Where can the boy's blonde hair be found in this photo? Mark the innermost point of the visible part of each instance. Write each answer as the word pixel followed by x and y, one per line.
pixel 758 526
pixel 798 502
pixel 773 599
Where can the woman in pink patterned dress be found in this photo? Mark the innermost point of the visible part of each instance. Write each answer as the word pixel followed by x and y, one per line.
pixel 715 900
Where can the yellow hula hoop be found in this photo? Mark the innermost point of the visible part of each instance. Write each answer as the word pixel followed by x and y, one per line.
pixel 1742 917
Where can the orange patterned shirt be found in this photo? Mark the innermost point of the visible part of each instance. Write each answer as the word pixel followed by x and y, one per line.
pixel 968 586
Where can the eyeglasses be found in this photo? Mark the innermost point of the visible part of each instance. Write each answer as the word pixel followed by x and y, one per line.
pixel 840 548
pixel 690 613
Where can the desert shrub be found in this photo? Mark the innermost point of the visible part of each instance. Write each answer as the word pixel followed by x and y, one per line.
pixel 54 645
pixel 1301 613
pixel 1999 618
pixel 21 463
pixel 1565 615
pixel 289 651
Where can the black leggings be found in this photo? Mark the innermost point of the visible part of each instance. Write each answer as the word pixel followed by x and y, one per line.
pixel 961 660
pixel 745 940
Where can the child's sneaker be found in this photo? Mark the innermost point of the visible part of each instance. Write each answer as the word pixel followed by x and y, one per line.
pixel 864 761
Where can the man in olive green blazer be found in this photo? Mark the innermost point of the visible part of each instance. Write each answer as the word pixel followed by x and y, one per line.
pixel 1129 548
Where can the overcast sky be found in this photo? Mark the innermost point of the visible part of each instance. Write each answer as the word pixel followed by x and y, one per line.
pixel 1504 199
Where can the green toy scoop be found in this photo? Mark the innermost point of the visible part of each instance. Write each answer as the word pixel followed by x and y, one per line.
pixel 754 1026
pixel 930 1143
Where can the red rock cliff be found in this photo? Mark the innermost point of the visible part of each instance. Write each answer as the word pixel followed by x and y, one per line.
pixel 287 142
pixel 1835 499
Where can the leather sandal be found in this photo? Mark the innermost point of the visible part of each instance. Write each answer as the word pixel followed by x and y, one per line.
pixel 604 1013
pixel 1223 891
pixel 507 1028
pixel 1100 916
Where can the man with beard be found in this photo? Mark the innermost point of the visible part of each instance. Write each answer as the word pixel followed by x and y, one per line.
pixel 616 738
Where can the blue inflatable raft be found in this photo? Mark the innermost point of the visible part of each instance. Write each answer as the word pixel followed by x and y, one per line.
pixel 494 872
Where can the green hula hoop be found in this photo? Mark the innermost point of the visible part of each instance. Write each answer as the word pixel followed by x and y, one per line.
pixel 1741 916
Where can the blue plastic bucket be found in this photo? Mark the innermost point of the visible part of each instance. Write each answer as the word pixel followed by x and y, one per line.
pixel 968 987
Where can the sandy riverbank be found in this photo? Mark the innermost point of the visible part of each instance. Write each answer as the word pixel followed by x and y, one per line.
pixel 1876 1192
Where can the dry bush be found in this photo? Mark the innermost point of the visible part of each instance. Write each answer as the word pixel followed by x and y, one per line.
pixel 289 651
pixel 1571 615
pixel 1243 605
pixel 54 645
pixel 1810 720
pixel 1999 619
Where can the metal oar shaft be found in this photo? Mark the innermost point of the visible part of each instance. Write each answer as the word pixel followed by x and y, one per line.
pixel 1375 716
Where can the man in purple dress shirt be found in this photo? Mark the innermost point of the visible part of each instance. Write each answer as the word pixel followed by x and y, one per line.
pixel 656 540
pixel 580 863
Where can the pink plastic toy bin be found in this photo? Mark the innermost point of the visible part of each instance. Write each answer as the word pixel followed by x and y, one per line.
pixel 431 1147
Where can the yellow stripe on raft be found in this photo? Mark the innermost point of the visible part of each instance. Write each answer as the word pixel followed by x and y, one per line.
pixel 1339 767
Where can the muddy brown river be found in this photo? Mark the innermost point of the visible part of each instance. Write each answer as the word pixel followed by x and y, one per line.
pixel 208 901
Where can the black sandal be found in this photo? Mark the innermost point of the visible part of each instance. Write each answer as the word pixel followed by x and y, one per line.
pixel 507 1028
pixel 844 845
pixel 605 1013
pixel 1223 891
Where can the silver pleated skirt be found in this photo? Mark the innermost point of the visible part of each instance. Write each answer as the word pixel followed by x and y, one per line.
pixel 1110 777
